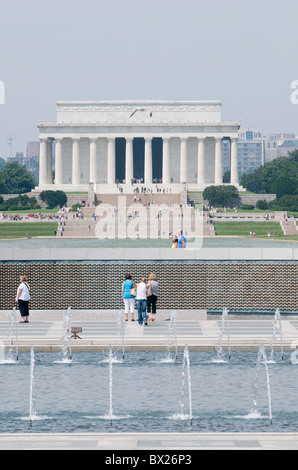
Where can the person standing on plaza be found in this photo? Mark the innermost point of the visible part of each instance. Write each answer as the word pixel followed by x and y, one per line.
pixel 141 301
pixel 175 242
pixel 181 241
pixel 128 297
pixel 152 294
pixel 23 298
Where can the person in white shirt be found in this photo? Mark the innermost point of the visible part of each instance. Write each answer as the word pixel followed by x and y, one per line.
pixel 23 297
pixel 141 301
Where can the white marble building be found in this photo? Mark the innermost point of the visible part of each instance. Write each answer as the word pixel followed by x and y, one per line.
pixel 173 142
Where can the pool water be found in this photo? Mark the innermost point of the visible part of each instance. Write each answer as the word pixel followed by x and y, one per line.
pixel 147 394
pixel 216 242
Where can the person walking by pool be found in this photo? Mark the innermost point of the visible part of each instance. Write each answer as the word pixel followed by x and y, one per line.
pixel 181 241
pixel 23 298
pixel 152 295
pixel 128 294
pixel 141 301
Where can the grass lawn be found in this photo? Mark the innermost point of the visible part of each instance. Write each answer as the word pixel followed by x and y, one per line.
pixel 33 229
pixel 244 228
pixel 34 211
pixel 255 211
pixel 77 192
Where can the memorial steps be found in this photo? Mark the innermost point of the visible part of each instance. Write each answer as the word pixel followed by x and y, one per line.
pixel 158 198
pixel 80 228
pixel 289 227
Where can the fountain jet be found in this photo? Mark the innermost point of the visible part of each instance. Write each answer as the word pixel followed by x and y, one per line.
pixel 225 330
pixel 66 336
pixel 111 384
pixel 13 330
pixel 121 329
pixel 32 402
pixel 172 334
pixel 277 330
pixel 186 370
pixel 262 355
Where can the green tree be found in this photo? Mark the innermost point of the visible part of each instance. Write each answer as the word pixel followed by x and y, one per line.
pixel 3 188
pixel 227 177
pixel 222 196
pixel 278 177
pixel 16 179
pixel 284 185
pixel 53 198
pixel 288 202
pixel 2 163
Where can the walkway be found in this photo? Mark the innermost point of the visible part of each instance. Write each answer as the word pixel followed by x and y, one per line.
pixel 200 335
pixel 145 442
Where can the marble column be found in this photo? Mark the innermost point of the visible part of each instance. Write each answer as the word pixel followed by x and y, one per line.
pixel 93 161
pixel 111 173
pixel 166 162
pixel 43 163
pixel 76 171
pixel 58 162
pixel 183 161
pixel 218 161
pixel 234 162
pixel 201 161
pixel 129 160
pixel 50 161
pixel 148 173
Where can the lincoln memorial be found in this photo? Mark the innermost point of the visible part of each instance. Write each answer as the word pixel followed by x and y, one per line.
pixel 102 143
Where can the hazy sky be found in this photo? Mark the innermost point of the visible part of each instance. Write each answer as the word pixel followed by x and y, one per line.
pixel 243 52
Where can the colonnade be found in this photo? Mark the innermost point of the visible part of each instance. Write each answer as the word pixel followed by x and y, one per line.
pixel 45 164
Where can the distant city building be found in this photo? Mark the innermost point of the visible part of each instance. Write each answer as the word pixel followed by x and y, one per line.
pixel 31 162
pixel 33 149
pixel 19 157
pixel 273 142
pixel 251 151
pixel 288 146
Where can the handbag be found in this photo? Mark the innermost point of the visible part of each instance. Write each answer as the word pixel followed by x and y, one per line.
pixel 133 291
pixel 149 290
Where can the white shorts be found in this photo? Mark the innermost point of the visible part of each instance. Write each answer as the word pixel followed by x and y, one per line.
pixel 129 305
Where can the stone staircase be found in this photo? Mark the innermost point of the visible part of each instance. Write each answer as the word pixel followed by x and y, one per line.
pixel 118 214
pixel 142 198
pixel 289 227
pixel 77 228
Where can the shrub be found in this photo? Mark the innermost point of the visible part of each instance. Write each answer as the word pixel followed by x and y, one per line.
pixel 53 198
pixel 247 207
pixel 21 202
pixel 262 205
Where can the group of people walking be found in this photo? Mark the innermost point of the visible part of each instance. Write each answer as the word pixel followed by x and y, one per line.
pixel 143 295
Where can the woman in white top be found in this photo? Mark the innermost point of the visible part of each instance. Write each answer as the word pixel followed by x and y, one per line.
pixel 23 297
pixel 141 301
